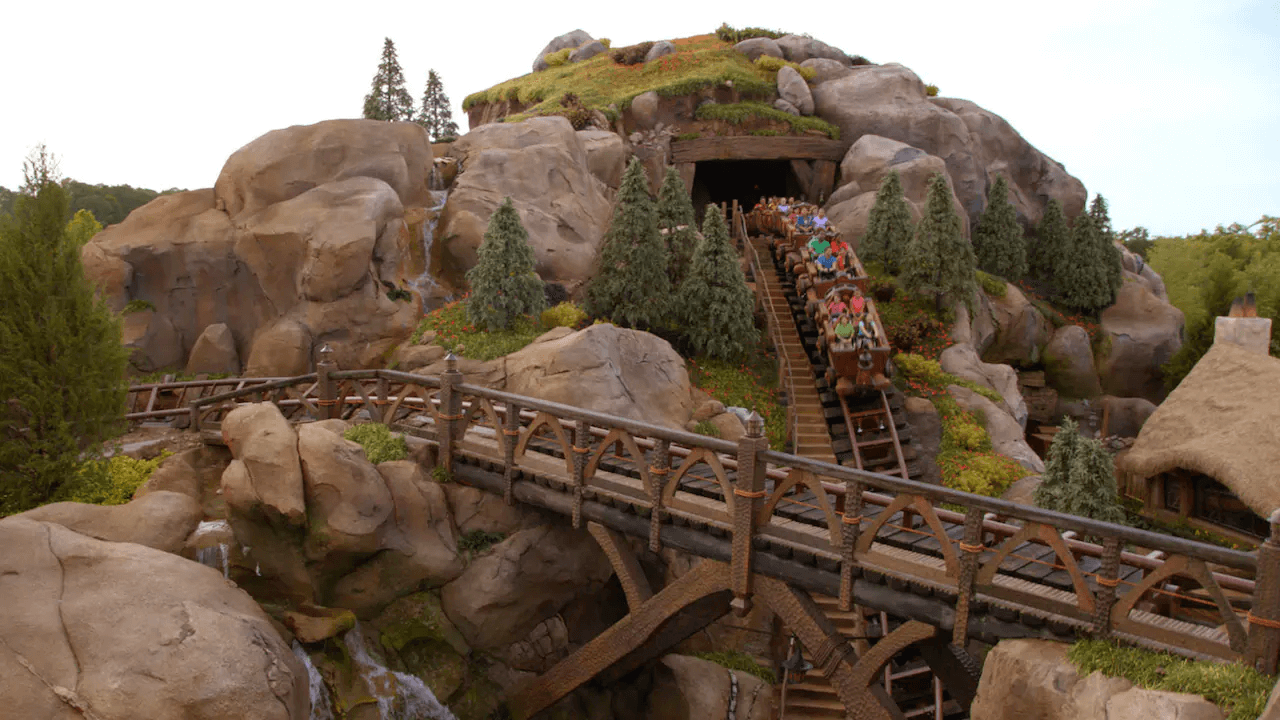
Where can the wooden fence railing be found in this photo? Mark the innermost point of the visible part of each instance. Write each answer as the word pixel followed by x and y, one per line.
pixel 1134 585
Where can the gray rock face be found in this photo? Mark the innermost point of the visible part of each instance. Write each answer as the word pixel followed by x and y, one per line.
pixel 587 51
pixel 890 101
pixel 962 361
pixel 214 352
pixel 572 39
pixel 1007 437
pixel 1068 362
pixel 132 632
pixel 660 48
pixel 1021 331
pixel 1125 416
pixel 793 89
pixel 786 107
pixel 926 429
pixel 753 48
pixel 644 109
pixel 606 155
pixel 797 49
pixel 826 69
pixel 1145 332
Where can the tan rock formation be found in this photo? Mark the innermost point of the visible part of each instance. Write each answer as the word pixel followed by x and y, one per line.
pixel 1145 332
pixel 689 687
pixel 160 520
pixel 962 361
pixel 1007 436
pixel 1068 363
pixel 214 352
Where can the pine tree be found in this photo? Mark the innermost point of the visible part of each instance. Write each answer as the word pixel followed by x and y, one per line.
pixel 888 225
pixel 632 288
pixel 62 364
pixel 435 114
pixel 504 284
pixel 1080 284
pixel 1079 478
pixel 715 307
pixel 997 241
pixel 388 99
pixel 675 219
pixel 1050 250
pixel 1111 255
pixel 939 259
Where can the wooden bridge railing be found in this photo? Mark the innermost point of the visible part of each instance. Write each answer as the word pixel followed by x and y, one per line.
pixel 748 494
pixel 775 338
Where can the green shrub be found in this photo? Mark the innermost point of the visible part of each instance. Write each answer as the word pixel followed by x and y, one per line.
pixel 1239 690
pixel 748 386
pixel 379 444
pixel 708 428
pixel 966 458
pixel 774 64
pixel 396 294
pixel 557 58
pixel 606 42
pixel 566 314
pixel 859 60
pixel 134 306
pixel 457 335
pixel 441 475
pixel 631 54
pixel 739 113
pixel 740 661
pixel 992 285
pixel 111 481
pixel 689 136
pixel 931 90
pixel 477 541
pixel 926 377
pixel 730 34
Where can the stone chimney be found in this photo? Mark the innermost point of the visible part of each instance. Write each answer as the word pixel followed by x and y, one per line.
pixel 1243 327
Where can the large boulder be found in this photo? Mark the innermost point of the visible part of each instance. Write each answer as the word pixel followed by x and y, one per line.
pixel 793 89
pixel 825 69
pixel 1021 331
pixel 608 369
pixel 542 165
pixel 891 101
pixel 1133 262
pixel 214 352
pixel 1144 332
pixel 127 631
pixel 753 48
pixel 798 48
pixel 976 328
pixel 586 51
pixel 689 688
pixel 926 431
pixel 1034 679
pixel 1068 363
pixel 571 39
pixel 865 165
pixel 1007 436
pixel 475 509
pixel 160 520
pixel 525 579
pixel 962 361
pixel 1125 416
pixel 606 155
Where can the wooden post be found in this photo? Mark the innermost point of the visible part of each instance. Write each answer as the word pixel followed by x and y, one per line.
pixel 380 401
pixel 581 446
pixel 450 411
pixel 510 436
pixel 748 492
pixel 328 400
pixel 1108 578
pixel 851 521
pixel 972 548
pixel 659 468
pixel 1264 618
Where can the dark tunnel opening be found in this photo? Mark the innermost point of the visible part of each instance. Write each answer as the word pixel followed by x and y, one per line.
pixel 723 181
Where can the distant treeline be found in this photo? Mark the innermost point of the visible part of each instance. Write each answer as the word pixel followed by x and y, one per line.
pixel 109 204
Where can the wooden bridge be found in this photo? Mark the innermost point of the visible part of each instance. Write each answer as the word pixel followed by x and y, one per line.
pixel 776 528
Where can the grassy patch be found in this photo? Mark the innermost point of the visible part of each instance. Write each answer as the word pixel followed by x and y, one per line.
pixel 774 64
pixel 1239 690
pixel 926 378
pixel 111 481
pixel 730 34
pixel 741 113
pixel 753 387
pixel 457 335
pixel 1056 317
pixel 477 541
pixel 566 314
pixel 379 444
pixel 966 458
pixel 739 661
pixel 708 428
pixel 912 322
pixel 1178 528
pixel 993 286
pixel 699 62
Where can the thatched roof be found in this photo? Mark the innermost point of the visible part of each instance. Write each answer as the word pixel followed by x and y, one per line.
pixel 1223 421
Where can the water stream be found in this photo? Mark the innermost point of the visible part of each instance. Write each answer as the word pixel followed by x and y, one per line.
pixel 399 695
pixel 424 284
pixel 321 709
pixel 211 550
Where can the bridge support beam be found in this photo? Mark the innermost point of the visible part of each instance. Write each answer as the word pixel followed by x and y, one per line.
pixel 1264 619
pixel 748 495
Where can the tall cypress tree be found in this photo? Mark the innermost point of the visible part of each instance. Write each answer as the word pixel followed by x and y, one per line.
pixel 1082 282
pixel 1050 249
pixel 939 259
pixel 62 364
pixel 888 225
pixel 1079 478
pixel 504 285
pixel 388 99
pixel 676 221
pixel 1111 255
pixel 714 305
pixel 997 241
pixel 435 114
pixel 632 287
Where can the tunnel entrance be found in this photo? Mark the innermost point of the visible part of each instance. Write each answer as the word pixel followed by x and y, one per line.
pixel 723 181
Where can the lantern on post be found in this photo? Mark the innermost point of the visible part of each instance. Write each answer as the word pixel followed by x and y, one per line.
pixel 327 400
pixel 795 665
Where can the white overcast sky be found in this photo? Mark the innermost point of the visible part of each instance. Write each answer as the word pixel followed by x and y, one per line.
pixel 1170 109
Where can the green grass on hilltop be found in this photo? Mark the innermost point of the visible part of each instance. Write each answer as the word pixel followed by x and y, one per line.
pixel 699 62
pixel 740 113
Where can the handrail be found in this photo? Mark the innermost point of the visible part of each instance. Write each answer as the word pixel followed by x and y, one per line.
pixel 775 336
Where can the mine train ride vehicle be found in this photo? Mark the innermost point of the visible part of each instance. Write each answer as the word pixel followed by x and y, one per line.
pixel 835 287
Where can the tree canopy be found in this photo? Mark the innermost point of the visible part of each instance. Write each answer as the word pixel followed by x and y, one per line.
pixel 504 284
pixel 715 306
pixel 888 225
pixel 1079 477
pixel 679 228
pixel 939 260
pixel 1050 247
pixel 632 287
pixel 997 241
pixel 435 113
pixel 388 99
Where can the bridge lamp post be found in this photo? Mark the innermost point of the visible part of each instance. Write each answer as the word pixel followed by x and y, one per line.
pixel 795 667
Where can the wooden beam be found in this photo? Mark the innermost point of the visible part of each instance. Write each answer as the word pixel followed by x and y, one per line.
pixel 824 180
pixel 750 147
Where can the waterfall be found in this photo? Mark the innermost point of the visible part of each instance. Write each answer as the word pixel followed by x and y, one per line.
pixel 424 283
pixel 399 695
pixel 320 707
pixel 216 555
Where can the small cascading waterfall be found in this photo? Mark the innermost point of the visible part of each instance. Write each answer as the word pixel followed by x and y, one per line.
pixel 321 708
pixel 399 695
pixel 213 553
pixel 424 283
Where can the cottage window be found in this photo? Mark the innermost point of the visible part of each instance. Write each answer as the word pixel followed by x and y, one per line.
pixel 1215 503
pixel 1172 492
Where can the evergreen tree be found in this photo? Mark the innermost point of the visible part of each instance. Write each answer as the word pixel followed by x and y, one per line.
pixel 888 225
pixel 1081 282
pixel 676 222
pixel 1111 255
pixel 1051 248
pixel 1079 478
pixel 388 99
pixel 504 285
pixel 715 306
pixel 632 287
pixel 62 363
pixel 997 241
pixel 939 259
pixel 435 114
